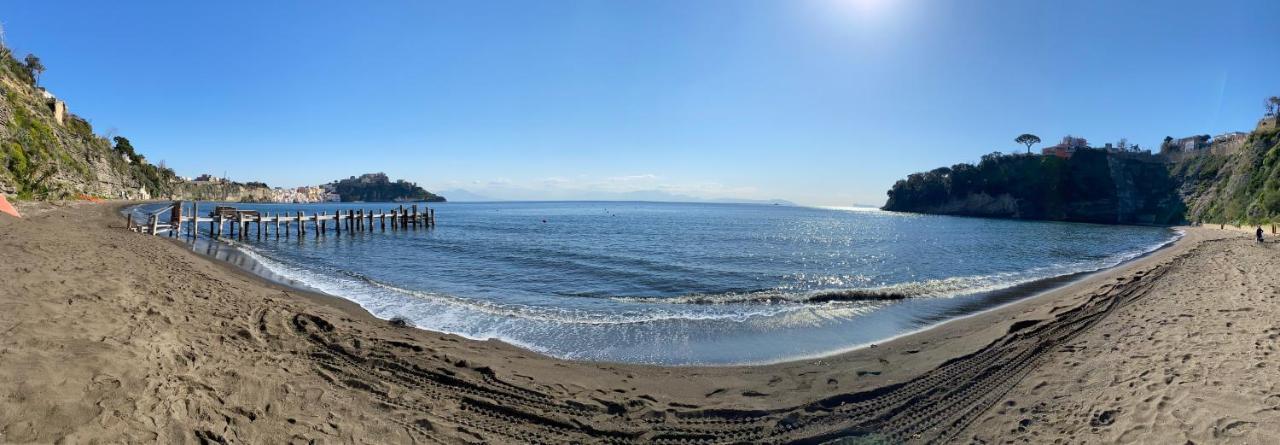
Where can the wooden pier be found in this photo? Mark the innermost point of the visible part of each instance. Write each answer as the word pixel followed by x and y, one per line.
pixel 246 224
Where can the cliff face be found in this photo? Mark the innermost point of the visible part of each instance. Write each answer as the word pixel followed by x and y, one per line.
pixel 1091 186
pixel 226 192
pixel 1236 186
pixel 49 153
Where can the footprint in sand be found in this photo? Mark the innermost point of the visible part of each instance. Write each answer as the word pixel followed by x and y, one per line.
pixel 1105 418
pixel 1235 428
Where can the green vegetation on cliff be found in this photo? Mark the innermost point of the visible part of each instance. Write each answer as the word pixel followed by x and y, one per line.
pixel 42 158
pixel 377 187
pixel 1233 186
pixel 1090 186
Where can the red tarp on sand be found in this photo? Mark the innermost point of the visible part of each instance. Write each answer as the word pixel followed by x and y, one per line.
pixel 7 208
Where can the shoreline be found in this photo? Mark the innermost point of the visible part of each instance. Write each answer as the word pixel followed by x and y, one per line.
pixel 245 262
pixel 320 365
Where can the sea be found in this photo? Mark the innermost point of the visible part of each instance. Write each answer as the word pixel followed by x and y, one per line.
pixel 681 283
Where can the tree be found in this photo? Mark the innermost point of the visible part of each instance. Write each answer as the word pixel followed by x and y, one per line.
pixel 34 67
pixel 1273 105
pixel 1028 139
pixel 125 148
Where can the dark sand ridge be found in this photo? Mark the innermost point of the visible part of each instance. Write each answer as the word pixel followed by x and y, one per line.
pixel 112 335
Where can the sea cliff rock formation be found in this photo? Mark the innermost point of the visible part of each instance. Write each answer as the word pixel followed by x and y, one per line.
pixel 1232 178
pixel 1092 185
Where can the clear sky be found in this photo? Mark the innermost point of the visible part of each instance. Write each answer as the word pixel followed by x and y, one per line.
pixel 822 102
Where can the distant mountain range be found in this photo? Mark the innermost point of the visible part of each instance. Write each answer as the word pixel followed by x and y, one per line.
pixel 462 195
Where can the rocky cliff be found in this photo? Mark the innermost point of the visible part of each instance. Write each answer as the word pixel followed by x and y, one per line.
pixel 1240 185
pixel 377 187
pixel 1091 186
pixel 225 192
pixel 47 152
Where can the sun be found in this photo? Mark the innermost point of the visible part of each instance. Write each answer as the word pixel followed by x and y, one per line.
pixel 865 12
pixel 865 7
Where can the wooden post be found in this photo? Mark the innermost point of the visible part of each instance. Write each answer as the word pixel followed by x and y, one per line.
pixel 337 222
pixel 302 226
pixel 128 222
pixel 195 219
pixel 382 219
pixel 175 219
pixel 431 217
pixel 351 221
pixel 155 223
pixel 360 220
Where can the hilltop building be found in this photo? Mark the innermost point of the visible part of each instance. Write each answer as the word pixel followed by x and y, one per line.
pixel 209 179
pixel 1227 143
pixel 1066 147
pixel 56 105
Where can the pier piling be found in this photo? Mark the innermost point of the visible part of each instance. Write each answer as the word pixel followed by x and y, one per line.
pixel 241 224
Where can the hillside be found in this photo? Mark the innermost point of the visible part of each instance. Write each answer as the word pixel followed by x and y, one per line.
pixel 50 153
pixel 1091 186
pixel 1241 185
pixel 377 187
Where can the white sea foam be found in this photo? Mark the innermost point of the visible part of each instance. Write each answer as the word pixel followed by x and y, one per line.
pixel 729 327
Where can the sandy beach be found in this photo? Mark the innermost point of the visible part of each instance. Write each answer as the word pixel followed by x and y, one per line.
pixel 111 336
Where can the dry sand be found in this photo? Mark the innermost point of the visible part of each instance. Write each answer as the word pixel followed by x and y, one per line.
pixel 1196 360
pixel 112 336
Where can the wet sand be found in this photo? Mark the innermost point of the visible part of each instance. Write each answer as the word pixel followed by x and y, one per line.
pixel 115 336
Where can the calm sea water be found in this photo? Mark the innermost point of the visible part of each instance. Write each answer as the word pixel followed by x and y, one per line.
pixel 686 283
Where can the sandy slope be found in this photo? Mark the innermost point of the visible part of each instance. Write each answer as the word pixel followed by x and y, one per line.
pixel 111 335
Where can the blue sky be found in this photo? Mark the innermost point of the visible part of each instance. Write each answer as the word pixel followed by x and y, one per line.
pixel 823 102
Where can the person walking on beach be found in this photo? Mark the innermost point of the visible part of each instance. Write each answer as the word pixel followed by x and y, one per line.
pixel 1259 233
